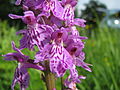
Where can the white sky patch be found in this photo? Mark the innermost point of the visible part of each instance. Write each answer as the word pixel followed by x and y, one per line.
pixel 111 4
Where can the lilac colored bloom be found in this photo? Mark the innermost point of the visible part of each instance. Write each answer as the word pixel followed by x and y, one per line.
pixel 51 26
pixel 29 4
pixel 75 49
pixel 28 18
pixel 68 14
pixel 49 6
pixel 21 75
pixel 56 8
pixel 71 2
pixel 73 78
pixel 60 59
pixel 79 22
pixel 35 34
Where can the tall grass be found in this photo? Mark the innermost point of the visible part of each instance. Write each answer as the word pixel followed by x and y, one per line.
pixel 102 51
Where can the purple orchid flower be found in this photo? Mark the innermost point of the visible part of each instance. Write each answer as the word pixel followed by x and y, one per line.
pixel 21 75
pixel 53 6
pixel 29 4
pixel 35 34
pixel 28 18
pixel 73 78
pixel 51 27
pixel 68 14
pixel 59 59
pixel 75 49
pixel 71 2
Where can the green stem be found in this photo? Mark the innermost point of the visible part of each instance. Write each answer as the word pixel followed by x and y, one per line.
pixel 62 84
pixel 49 78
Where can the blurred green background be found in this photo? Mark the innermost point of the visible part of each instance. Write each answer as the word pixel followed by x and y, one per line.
pixel 102 49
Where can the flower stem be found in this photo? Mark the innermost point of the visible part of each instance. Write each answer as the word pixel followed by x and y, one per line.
pixel 49 78
pixel 62 85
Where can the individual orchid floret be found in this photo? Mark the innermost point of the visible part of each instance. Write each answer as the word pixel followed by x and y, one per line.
pixel 29 4
pixel 75 50
pixel 35 34
pixel 73 78
pixel 28 18
pixel 74 36
pixel 59 35
pixel 21 58
pixel 21 75
pixel 71 2
pixel 68 14
pixel 79 22
pixel 53 6
pixel 59 59
pixel 38 35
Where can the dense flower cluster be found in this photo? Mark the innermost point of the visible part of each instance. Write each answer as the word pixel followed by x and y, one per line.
pixel 51 27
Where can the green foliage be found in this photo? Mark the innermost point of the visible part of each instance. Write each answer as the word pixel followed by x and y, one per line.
pixel 102 51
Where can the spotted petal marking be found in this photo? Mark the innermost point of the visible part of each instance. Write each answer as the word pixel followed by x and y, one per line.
pixel 21 76
pixel 34 36
pixel 60 60
pixel 56 54
pixel 68 14
pixel 56 8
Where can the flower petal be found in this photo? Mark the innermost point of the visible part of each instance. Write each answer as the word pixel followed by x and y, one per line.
pixel 68 15
pixel 56 8
pixel 35 66
pixel 19 56
pixel 79 22
pixel 21 76
pixel 13 16
pixel 83 65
